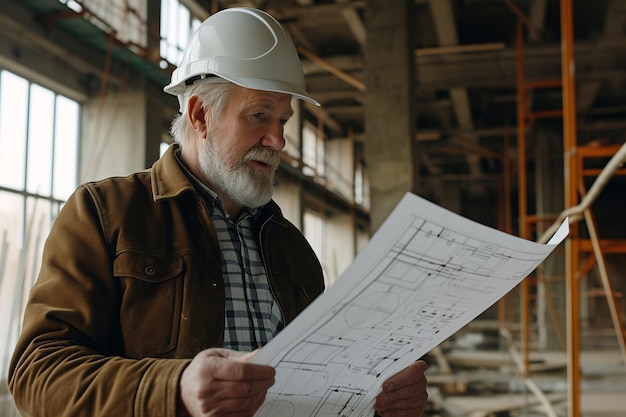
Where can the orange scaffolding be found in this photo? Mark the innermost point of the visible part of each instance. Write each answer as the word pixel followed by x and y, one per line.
pixel 592 249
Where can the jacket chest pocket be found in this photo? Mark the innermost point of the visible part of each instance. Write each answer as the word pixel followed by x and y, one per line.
pixel 150 309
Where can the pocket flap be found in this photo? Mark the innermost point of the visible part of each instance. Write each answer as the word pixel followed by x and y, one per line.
pixel 146 267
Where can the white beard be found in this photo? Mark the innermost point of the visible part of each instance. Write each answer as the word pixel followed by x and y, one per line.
pixel 240 182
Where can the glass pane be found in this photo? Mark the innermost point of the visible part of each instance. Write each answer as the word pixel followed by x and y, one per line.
pixel 320 157
pixel 13 117
pixel 292 132
pixel 314 232
pixel 11 218
pixel 75 6
pixel 164 24
pixel 135 22
pixel 176 26
pixel 126 18
pixel 163 147
pixel 358 185
pixel 40 128
pixel 38 220
pixel 11 221
pixel 309 157
pixel 65 148
pixel 172 25
pixel 32 121
pixel 183 27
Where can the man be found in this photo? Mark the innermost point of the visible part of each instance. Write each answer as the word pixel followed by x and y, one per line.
pixel 155 289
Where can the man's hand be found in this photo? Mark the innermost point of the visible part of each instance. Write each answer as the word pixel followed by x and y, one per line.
pixel 221 382
pixel 404 394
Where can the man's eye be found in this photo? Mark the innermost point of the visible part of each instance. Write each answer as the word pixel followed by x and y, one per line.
pixel 283 122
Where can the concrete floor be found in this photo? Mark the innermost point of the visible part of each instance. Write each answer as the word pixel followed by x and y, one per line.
pixel 494 388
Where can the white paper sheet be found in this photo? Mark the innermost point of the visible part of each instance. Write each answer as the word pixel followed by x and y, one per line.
pixel 425 274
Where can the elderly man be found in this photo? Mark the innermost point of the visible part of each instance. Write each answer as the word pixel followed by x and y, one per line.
pixel 156 288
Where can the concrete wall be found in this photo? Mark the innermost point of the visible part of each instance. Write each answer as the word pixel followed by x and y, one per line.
pixel 340 166
pixel 287 195
pixel 340 245
pixel 113 135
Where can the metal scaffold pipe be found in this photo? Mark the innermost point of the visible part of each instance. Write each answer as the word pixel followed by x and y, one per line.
pixel 575 213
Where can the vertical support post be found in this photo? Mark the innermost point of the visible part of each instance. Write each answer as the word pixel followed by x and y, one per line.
pixel 153 127
pixel 390 110
pixel 522 184
pixel 572 287
pixel 505 221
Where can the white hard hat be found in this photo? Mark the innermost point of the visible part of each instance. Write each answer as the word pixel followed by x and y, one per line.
pixel 245 46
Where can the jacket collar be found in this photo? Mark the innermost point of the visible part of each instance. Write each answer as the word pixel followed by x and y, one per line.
pixel 168 178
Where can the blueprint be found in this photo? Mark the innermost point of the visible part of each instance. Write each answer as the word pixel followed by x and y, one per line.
pixel 426 273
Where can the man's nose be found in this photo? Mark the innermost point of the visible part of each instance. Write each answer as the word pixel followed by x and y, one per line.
pixel 274 137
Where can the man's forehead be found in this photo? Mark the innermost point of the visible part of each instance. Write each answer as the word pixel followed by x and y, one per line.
pixel 251 93
pixel 264 99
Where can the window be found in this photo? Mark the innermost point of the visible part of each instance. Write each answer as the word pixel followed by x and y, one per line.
pixel 126 19
pixel 163 147
pixel 361 185
pixel 292 135
pixel 312 152
pixel 177 25
pixel 38 171
pixel 313 230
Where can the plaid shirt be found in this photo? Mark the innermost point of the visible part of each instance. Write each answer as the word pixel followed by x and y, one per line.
pixel 253 317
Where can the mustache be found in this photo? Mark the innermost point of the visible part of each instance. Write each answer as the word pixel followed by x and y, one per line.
pixel 268 156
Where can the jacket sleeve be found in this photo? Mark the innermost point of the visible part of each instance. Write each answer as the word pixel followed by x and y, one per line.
pixel 65 362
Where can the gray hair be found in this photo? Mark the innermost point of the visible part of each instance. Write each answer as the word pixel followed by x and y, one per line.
pixel 212 95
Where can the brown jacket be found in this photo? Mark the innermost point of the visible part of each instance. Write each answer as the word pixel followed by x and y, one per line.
pixel 130 289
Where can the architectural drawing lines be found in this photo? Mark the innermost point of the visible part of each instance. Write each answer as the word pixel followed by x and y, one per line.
pixel 413 288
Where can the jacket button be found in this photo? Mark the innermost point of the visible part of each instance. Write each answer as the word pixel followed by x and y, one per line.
pixel 214 283
pixel 149 270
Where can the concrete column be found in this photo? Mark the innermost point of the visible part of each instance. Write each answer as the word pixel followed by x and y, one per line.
pixel 389 110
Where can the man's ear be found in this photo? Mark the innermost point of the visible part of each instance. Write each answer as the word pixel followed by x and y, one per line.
pixel 197 115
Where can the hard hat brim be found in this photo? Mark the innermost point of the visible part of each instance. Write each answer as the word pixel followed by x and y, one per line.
pixel 274 86
pixel 251 83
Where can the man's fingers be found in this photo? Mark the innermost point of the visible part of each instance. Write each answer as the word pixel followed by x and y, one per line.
pixel 227 369
pixel 409 375
pixel 410 396
pixel 404 394
pixel 221 382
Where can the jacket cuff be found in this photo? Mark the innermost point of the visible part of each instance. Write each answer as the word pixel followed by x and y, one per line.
pixel 157 393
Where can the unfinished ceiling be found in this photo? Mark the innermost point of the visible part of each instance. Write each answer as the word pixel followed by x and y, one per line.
pixel 466 60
